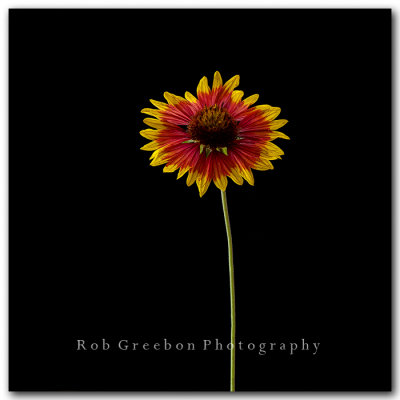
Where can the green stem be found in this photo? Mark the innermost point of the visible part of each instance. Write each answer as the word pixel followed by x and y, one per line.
pixel 232 288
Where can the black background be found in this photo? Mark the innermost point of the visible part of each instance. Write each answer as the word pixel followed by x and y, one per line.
pixel 104 246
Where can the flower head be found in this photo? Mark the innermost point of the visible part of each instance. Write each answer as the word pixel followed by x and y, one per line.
pixel 214 136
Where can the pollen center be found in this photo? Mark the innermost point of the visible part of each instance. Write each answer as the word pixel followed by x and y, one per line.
pixel 213 127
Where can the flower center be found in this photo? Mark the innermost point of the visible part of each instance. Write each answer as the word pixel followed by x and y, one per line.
pixel 213 127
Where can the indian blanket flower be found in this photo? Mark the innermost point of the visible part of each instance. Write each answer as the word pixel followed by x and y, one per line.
pixel 214 136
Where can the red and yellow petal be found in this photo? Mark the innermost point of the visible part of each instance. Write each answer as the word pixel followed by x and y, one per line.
pixel 191 178
pixel 150 134
pixel 172 99
pixel 237 96
pixel 159 104
pixel 231 84
pixel 276 134
pixel 235 176
pixel 156 123
pixel 217 82
pixel 251 100
pixel 203 92
pixel 269 113
pixel 190 97
pixel 170 168
pixel 278 123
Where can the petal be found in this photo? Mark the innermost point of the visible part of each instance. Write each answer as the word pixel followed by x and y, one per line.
pixel 158 158
pixel 159 104
pixel 277 124
pixel 155 123
pixel 203 86
pixel 219 171
pixel 182 171
pixel 155 154
pixel 150 134
pixel 184 155
pixel 178 114
pixel 191 178
pixel 253 120
pixel 273 147
pixel 270 113
pixel 221 182
pixel 203 183
pixel 250 100
pixel 170 168
pixel 276 134
pixel 235 176
pixel 263 164
pixel 158 161
pixel 263 107
pixel 172 98
pixel 248 175
pixel 152 112
pixel 271 151
pixel 237 95
pixel 232 83
pixel 190 97
pixel 217 83
pixel 154 145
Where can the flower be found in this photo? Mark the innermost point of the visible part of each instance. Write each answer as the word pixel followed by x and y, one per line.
pixel 214 136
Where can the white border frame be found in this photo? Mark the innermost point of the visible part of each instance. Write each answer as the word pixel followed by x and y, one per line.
pixel 4 6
